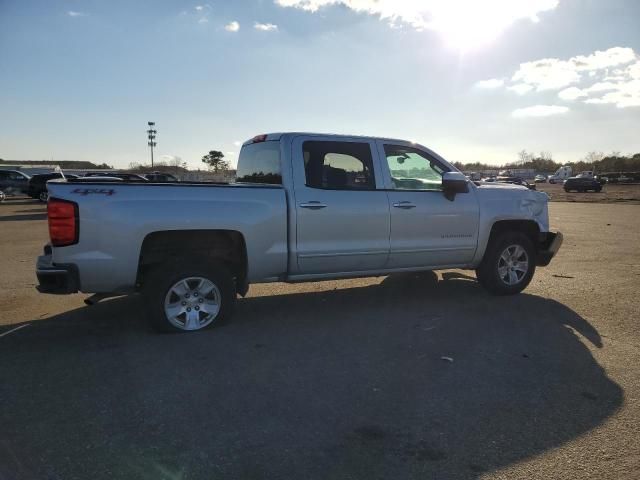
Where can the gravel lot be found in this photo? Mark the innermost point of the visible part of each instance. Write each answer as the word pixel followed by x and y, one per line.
pixel 611 193
pixel 334 380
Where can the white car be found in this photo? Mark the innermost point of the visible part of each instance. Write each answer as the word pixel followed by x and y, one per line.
pixel 305 207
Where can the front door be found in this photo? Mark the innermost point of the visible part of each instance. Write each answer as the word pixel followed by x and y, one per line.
pixel 427 230
pixel 342 222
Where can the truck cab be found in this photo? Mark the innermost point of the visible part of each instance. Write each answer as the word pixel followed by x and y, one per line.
pixel 561 174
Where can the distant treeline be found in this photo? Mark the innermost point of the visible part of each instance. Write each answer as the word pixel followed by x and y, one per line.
pixel 545 163
pixel 75 164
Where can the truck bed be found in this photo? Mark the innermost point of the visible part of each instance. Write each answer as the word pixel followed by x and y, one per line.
pixel 116 216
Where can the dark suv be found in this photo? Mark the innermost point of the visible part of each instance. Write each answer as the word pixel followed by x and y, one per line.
pixel 38 184
pixel 582 184
pixel 13 182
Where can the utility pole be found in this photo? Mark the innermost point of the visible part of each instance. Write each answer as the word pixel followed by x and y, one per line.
pixel 152 137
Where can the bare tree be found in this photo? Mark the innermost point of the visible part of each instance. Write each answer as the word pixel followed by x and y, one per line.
pixel 524 157
pixel 593 157
pixel 547 156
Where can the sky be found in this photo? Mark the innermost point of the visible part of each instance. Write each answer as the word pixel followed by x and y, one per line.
pixel 474 81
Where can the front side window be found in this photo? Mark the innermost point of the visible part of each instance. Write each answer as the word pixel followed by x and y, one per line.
pixel 18 177
pixel 338 165
pixel 412 169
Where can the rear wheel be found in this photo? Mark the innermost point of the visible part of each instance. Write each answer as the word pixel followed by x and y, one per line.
pixel 189 297
pixel 508 264
pixel 44 196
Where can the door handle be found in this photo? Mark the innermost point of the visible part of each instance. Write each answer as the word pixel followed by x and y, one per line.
pixel 405 205
pixel 313 205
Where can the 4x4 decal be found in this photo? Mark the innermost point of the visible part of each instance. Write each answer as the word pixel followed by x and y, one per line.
pixel 99 191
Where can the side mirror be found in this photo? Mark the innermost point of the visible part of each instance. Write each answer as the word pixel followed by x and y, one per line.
pixel 454 183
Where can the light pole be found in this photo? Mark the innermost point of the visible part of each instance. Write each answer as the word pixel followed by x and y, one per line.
pixel 152 136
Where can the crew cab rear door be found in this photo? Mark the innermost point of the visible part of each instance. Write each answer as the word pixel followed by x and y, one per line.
pixel 427 229
pixel 342 214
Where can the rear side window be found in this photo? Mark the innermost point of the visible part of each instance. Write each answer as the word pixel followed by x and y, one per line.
pixel 260 163
pixel 338 165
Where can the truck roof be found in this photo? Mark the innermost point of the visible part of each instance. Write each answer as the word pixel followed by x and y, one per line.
pixel 278 135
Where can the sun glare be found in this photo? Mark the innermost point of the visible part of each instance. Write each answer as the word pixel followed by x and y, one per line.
pixel 470 25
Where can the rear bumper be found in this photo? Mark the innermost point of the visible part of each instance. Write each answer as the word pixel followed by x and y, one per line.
pixel 57 279
pixel 548 246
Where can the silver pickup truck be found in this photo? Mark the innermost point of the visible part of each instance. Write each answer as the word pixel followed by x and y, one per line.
pixel 304 207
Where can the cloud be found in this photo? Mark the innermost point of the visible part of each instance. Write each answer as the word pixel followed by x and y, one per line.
pixel 571 93
pixel 237 143
pixel 265 27
pixel 201 12
pixel 520 88
pixel 539 111
pixel 553 73
pixel 609 76
pixel 491 83
pixel 465 23
pixel 232 26
pixel 72 13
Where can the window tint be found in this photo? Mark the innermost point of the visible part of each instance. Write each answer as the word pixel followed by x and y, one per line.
pixel 17 177
pixel 260 163
pixel 338 165
pixel 412 169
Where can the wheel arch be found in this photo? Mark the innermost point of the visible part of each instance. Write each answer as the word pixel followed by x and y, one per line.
pixel 528 227
pixel 227 246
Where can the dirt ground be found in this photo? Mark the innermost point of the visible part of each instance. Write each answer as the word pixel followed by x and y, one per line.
pixel 338 379
pixel 611 193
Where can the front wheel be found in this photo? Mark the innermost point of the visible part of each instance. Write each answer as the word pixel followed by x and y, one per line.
pixel 508 264
pixel 189 297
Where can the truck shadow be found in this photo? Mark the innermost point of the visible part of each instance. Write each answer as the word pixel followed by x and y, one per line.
pixel 20 217
pixel 409 378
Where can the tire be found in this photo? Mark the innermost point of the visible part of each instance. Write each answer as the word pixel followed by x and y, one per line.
pixel 567 190
pixel 494 265
pixel 44 196
pixel 183 286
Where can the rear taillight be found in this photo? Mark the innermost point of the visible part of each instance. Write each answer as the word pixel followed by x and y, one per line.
pixel 63 222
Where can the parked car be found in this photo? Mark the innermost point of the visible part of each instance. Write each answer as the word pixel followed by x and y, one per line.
pixel 517 181
pixel 622 178
pixel 14 182
pixel 585 174
pixel 582 184
pixel 305 207
pixel 37 187
pixel 159 177
pixel 540 179
pixel 101 179
pixel 127 177
pixel 2 196
pixel 602 180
